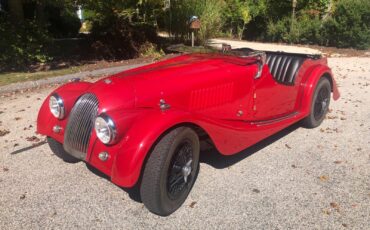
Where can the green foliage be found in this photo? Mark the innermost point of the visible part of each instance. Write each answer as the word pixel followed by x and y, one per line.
pixel 210 13
pixel 349 25
pixel 62 23
pixel 21 44
pixel 239 13
pixel 304 30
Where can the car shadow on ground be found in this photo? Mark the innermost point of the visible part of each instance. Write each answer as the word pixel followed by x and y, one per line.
pixel 134 192
pixel 215 159
pixel 211 157
pixel 25 149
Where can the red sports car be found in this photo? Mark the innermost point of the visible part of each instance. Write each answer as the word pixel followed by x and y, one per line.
pixel 144 126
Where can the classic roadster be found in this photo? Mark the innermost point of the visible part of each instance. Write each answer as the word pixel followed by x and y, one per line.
pixel 144 126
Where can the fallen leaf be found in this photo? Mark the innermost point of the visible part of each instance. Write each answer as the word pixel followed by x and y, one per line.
pixel 337 162
pixel 323 178
pixel 28 128
pixel 33 139
pixel 335 206
pixel 345 225
pixel 192 204
pixel 286 145
pixel 17 118
pixel 3 132
pixel 325 211
pixel 256 190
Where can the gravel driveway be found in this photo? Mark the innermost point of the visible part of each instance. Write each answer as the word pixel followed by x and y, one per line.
pixel 299 178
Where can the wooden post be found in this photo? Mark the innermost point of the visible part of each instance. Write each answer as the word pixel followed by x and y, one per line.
pixel 194 24
pixel 192 38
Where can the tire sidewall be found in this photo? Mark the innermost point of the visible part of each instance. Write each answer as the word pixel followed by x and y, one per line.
pixel 323 82
pixel 170 205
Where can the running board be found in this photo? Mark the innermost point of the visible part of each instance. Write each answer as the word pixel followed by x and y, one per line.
pixel 272 121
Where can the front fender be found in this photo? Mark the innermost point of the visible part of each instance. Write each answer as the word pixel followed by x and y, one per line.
pixel 146 130
pixel 308 86
pixel 46 121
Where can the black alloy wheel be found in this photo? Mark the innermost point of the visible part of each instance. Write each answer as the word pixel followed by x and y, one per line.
pixel 170 171
pixel 320 104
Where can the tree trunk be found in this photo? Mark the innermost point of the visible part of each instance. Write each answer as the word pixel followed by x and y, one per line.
pixel 40 15
pixel 16 10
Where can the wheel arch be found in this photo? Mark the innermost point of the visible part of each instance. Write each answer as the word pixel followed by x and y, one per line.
pixel 309 85
pixel 129 163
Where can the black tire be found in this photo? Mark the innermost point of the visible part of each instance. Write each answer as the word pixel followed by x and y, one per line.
pixel 59 151
pixel 165 164
pixel 320 104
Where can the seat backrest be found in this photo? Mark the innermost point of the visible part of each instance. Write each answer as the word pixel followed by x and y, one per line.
pixel 284 67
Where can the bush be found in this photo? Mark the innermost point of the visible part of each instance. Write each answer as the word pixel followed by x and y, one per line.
pixel 22 44
pixel 120 39
pixel 210 13
pixel 62 22
pixel 349 25
pixel 279 31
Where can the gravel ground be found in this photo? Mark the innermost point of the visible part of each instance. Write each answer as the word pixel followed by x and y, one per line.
pixel 299 178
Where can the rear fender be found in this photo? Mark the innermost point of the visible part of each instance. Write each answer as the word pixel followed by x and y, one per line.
pixel 309 83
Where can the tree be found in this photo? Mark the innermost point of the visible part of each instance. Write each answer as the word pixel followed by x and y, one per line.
pixel 16 10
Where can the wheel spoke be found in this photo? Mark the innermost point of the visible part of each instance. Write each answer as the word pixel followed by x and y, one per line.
pixel 180 170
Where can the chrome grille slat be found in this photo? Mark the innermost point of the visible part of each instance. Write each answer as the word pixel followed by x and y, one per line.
pixel 80 125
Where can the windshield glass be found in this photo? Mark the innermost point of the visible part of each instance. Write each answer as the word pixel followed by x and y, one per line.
pixel 225 50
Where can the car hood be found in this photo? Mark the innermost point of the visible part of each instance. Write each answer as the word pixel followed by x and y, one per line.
pixel 173 78
pixel 113 94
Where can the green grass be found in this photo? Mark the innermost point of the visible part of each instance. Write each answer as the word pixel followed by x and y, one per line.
pixel 8 78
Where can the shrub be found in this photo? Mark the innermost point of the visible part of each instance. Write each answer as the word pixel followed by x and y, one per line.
pixel 349 25
pixel 279 31
pixel 210 13
pixel 21 44
pixel 62 23
pixel 119 39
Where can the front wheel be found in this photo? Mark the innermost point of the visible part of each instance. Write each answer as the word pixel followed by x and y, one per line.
pixel 170 171
pixel 319 105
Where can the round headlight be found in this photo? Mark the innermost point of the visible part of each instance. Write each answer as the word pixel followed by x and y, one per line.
pixel 105 129
pixel 56 106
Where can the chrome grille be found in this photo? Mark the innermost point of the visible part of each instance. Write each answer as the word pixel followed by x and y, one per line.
pixel 80 125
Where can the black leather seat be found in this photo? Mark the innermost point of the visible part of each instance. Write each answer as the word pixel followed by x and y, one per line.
pixel 284 67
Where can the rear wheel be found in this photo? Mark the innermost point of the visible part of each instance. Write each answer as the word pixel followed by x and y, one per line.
pixel 320 104
pixel 170 171
pixel 59 151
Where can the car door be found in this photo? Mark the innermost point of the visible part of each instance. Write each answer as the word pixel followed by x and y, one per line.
pixel 271 98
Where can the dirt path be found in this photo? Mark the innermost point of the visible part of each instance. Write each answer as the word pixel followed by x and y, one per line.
pixel 300 178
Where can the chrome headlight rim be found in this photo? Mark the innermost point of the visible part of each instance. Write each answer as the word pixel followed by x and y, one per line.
pixel 60 103
pixel 112 129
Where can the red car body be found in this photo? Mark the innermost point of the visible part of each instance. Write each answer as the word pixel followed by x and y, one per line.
pixel 218 94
